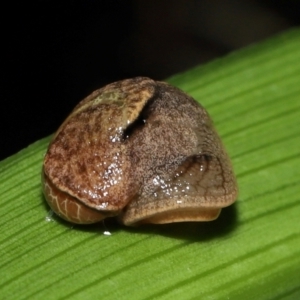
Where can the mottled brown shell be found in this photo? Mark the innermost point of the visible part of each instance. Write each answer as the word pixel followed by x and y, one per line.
pixel 141 150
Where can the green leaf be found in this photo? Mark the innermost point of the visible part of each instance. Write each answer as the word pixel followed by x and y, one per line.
pixel 251 252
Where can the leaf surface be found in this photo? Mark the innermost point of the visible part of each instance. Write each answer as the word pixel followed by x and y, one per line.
pixel 251 252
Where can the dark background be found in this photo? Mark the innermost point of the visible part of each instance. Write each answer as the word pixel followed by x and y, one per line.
pixel 54 53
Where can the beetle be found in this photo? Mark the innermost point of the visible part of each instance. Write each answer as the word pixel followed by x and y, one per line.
pixel 141 150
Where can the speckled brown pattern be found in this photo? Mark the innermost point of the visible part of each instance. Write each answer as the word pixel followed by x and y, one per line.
pixel 141 149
